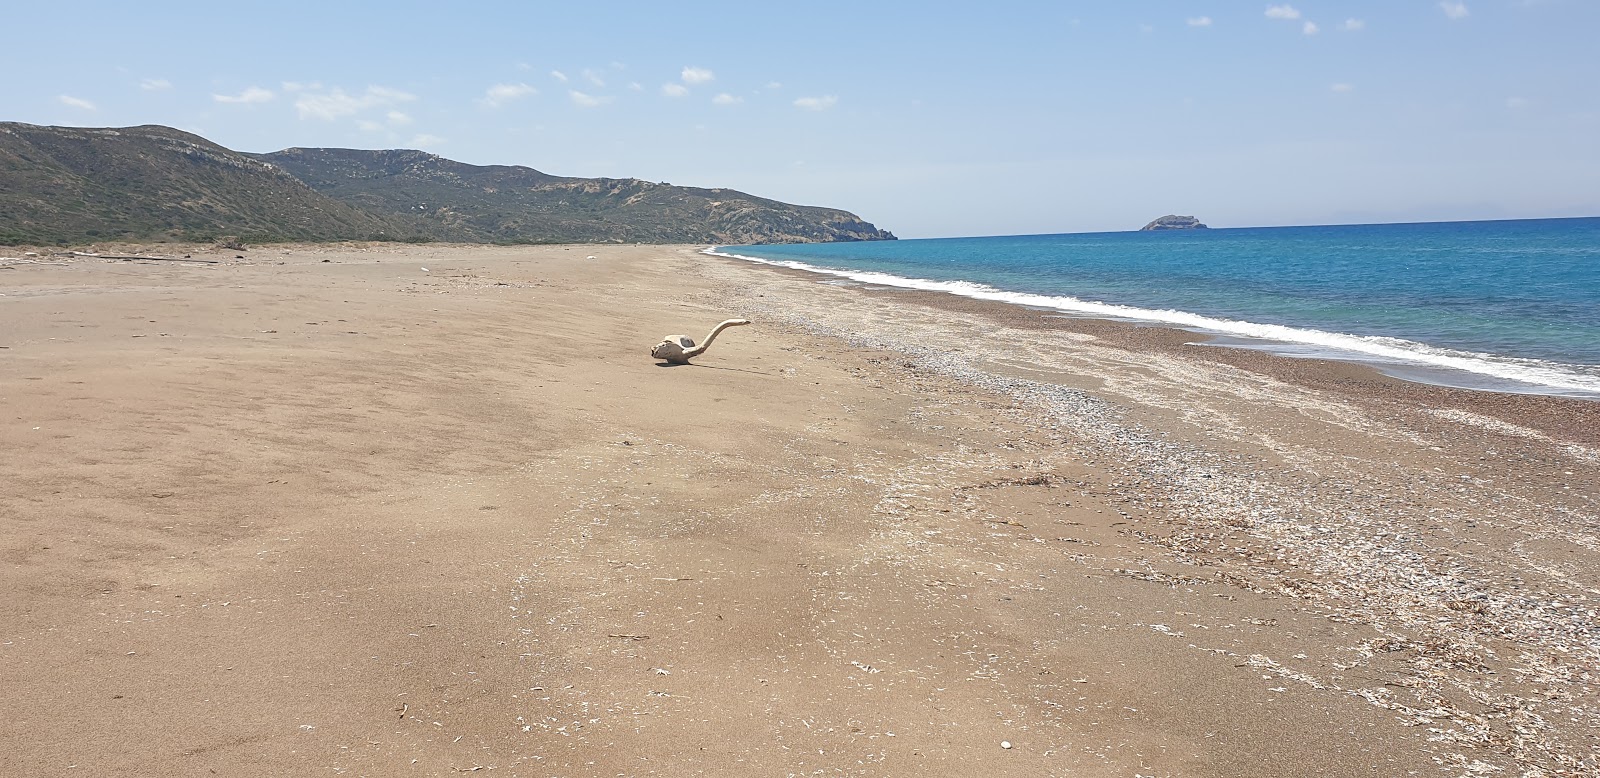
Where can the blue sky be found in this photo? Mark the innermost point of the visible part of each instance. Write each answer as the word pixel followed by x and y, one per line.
pixel 928 119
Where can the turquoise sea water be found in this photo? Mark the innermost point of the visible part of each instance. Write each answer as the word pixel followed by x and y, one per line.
pixel 1507 305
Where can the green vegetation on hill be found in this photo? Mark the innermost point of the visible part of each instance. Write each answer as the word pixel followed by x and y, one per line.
pixel 66 185
pixel 498 203
pixel 63 185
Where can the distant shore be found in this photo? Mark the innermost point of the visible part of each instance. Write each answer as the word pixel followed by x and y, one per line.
pixel 378 508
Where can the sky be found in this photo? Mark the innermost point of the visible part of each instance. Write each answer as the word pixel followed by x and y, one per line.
pixel 930 119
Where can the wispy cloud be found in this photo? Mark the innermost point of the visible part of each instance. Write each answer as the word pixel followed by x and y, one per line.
pixel 817 103
pixel 76 102
pixel 1454 10
pixel 774 85
pixel 1282 12
pixel 1515 103
pixel 426 141
pixel 250 96
pixel 726 99
pixel 674 90
pixel 635 86
pixel 335 103
pixel 587 101
pixel 500 94
pixel 559 76
pixel 1200 21
pixel 1353 25
pixel 694 75
pixel 1342 88
pixel 155 84
pixel 593 76
pixel 1310 28
pixel 397 118
pixel 297 86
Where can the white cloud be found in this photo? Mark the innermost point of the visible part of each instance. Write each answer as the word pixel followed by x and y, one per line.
pixel 296 86
pixel 76 102
pixel 1343 88
pixel 816 103
pixel 1200 21
pixel 635 86
pixel 674 90
pixel 587 101
pixel 397 118
pixel 250 96
pixel 593 77
pixel 500 94
pixel 694 75
pixel 1282 12
pixel 774 85
pixel 1454 10
pixel 726 99
pixel 366 125
pixel 1353 25
pixel 155 84
pixel 336 103
pixel 1310 28
pixel 559 76
pixel 425 140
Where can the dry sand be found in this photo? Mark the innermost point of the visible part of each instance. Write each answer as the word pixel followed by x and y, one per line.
pixel 377 510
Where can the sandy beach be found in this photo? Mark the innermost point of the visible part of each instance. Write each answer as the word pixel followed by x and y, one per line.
pixel 426 510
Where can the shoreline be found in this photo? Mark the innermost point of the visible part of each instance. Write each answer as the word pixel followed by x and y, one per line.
pixel 433 509
pixel 1451 368
pixel 1573 418
pixel 1335 456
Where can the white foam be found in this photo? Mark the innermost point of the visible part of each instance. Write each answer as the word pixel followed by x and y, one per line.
pixel 1532 372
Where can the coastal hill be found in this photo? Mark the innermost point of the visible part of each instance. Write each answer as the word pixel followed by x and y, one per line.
pixel 498 203
pixel 68 185
pixel 1172 222
pixel 62 185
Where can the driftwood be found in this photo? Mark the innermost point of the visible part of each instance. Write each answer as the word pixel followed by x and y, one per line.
pixel 135 256
pixel 679 349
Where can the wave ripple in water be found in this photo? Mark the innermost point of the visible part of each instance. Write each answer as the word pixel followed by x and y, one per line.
pixel 1511 306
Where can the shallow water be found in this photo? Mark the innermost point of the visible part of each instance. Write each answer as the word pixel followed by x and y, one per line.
pixel 1506 305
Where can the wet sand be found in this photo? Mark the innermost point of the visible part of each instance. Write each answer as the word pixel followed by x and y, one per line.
pixel 378 510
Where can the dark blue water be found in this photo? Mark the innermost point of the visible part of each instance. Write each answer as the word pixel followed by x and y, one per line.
pixel 1513 303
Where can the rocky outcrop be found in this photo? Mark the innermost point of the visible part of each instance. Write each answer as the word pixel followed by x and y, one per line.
pixel 1171 222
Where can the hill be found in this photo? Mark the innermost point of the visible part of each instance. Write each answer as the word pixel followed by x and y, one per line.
pixel 66 185
pixel 498 203
pixel 72 185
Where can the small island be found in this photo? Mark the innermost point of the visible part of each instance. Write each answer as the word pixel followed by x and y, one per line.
pixel 1171 222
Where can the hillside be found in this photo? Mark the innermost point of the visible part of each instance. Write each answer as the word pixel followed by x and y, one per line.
pixel 63 185
pixel 498 203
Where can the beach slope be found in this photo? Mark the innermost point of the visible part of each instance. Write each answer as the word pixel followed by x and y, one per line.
pixel 378 510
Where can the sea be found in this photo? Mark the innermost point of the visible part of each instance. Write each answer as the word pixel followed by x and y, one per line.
pixel 1511 306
